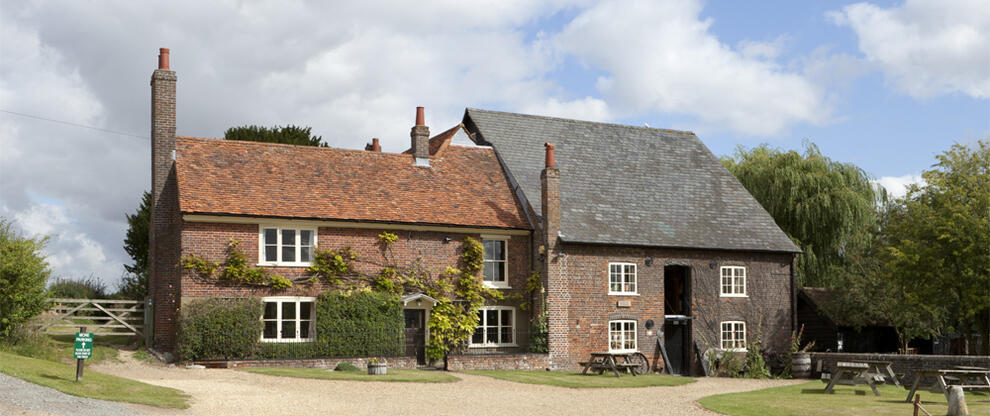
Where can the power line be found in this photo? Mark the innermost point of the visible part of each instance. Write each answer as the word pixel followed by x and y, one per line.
pixel 73 124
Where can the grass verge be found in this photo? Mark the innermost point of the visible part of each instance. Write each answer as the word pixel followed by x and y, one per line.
pixel 810 399
pixel 410 376
pixel 94 385
pixel 57 349
pixel 577 380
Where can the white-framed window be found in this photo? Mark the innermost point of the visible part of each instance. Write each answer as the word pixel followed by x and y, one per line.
pixel 496 327
pixel 621 336
pixel 288 319
pixel 285 246
pixel 496 261
pixel 733 281
pixel 621 279
pixel 733 336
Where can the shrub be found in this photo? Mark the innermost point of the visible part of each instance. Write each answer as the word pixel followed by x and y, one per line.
pixel 23 275
pixel 345 366
pixel 359 324
pixel 538 335
pixel 81 288
pixel 219 329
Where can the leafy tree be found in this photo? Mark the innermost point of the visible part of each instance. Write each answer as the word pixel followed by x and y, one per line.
pixel 135 284
pixel 940 239
pixel 276 134
pixel 23 275
pixel 820 203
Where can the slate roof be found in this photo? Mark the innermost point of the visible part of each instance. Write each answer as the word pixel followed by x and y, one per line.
pixel 464 187
pixel 631 185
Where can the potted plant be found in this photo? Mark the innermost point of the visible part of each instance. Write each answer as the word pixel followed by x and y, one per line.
pixel 377 366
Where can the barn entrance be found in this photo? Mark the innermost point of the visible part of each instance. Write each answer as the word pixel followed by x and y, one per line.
pixel 677 318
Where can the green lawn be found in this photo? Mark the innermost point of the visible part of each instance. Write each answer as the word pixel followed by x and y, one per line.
pixel 810 399
pixel 577 380
pixel 413 376
pixel 94 385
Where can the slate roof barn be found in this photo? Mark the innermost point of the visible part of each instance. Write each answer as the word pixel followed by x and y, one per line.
pixel 631 185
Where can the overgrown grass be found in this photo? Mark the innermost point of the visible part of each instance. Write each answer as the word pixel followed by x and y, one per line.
pixel 810 399
pixel 94 385
pixel 411 376
pixel 54 348
pixel 578 380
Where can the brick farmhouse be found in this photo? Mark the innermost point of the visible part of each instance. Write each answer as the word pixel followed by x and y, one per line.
pixel 638 234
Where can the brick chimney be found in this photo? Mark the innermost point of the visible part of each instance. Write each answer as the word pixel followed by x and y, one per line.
pixel 163 279
pixel 420 135
pixel 550 198
pixel 374 146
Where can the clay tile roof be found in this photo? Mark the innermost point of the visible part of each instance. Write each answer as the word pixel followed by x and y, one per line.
pixel 224 177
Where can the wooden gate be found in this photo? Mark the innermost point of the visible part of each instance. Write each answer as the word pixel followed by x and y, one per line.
pixel 100 316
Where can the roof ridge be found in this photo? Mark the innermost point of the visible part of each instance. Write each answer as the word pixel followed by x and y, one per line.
pixel 686 132
pixel 294 146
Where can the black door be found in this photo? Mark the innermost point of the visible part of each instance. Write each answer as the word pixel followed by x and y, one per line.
pixel 677 322
pixel 416 334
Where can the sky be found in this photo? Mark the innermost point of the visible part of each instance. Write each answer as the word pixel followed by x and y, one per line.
pixel 885 85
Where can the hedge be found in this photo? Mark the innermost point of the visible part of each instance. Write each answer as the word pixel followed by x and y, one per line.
pixel 219 329
pixel 361 324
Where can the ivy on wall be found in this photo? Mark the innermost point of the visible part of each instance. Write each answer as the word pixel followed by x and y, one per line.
pixel 234 269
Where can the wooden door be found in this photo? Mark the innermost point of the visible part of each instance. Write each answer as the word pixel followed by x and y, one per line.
pixel 416 334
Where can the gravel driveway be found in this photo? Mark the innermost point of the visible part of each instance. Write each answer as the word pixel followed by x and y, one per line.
pixel 230 392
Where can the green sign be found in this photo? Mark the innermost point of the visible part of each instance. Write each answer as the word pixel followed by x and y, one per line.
pixel 84 345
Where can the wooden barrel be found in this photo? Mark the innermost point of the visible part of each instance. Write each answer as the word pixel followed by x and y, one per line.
pixel 801 365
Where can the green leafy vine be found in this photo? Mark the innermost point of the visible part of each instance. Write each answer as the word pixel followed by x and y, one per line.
pixel 234 269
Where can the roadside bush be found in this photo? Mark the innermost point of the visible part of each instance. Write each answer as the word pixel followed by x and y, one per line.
pixel 81 288
pixel 359 324
pixel 345 366
pixel 219 329
pixel 23 275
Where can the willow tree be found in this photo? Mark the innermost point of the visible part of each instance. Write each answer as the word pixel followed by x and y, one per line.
pixel 821 204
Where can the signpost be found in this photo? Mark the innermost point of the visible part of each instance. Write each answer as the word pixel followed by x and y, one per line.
pixel 83 349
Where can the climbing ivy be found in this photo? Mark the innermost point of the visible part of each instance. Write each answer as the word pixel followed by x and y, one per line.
pixel 234 269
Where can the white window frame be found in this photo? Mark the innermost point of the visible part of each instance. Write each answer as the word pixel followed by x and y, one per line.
pixel 504 284
pixel 625 282
pixel 735 281
pixel 622 335
pixel 734 343
pixel 279 300
pixel 484 332
pixel 278 231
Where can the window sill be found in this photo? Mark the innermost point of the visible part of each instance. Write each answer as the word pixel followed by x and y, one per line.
pixel 724 295
pixel 734 350
pixel 493 345
pixel 284 264
pixel 497 285
pixel 287 341
pixel 623 294
pixel 622 351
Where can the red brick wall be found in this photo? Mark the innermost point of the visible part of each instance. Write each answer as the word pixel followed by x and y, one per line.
pixel 428 248
pixel 589 307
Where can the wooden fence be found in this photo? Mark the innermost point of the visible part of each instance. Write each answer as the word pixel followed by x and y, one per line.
pixel 100 316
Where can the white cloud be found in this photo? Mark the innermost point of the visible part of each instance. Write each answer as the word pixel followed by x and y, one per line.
pixel 926 48
pixel 663 58
pixel 897 185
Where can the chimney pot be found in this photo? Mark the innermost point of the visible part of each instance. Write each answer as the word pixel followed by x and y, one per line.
pixel 163 58
pixel 550 161
pixel 375 145
pixel 420 118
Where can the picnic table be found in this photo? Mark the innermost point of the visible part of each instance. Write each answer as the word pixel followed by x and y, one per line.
pixel 969 378
pixel 882 369
pixel 851 374
pixel 600 362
